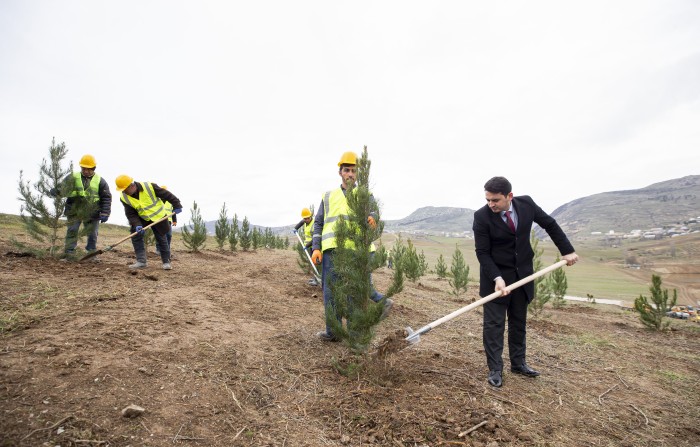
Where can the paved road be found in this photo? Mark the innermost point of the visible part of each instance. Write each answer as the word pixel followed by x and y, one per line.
pixel 597 300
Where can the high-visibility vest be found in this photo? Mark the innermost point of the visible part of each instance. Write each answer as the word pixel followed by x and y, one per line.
pixel 93 189
pixel 335 205
pixel 148 206
pixel 308 229
pixel 168 209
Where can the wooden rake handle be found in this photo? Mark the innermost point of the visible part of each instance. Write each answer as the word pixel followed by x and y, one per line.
pixel 143 229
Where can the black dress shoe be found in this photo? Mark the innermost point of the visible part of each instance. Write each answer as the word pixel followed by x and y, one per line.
pixel 495 378
pixel 524 370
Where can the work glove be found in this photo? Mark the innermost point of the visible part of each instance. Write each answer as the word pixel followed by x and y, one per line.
pixel 372 223
pixel 177 210
pixel 103 218
pixel 317 257
pixel 139 229
pixel 294 231
pixel 174 223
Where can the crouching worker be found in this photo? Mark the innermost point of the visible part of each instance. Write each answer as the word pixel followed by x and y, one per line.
pixel 144 203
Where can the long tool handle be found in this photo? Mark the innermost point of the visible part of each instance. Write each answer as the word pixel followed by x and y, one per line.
pixel 318 276
pixel 486 299
pixel 144 228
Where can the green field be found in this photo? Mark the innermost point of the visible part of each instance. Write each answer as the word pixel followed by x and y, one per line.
pixel 600 273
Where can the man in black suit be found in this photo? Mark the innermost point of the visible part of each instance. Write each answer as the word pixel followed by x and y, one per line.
pixel 502 241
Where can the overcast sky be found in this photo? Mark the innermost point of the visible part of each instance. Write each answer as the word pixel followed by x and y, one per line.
pixel 252 103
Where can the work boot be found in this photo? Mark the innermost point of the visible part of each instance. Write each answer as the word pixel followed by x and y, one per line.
pixel 388 304
pixel 138 265
pixel 325 336
pixel 167 266
pixel 313 282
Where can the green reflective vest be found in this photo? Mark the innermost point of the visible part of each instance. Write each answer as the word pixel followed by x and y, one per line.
pixel 148 206
pixel 334 206
pixel 169 209
pixel 93 190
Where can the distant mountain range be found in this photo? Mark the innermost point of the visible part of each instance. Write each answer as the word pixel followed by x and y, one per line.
pixel 671 202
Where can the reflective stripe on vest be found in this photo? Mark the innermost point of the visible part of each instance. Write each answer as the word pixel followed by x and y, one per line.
pixel 147 205
pixel 93 190
pixel 335 205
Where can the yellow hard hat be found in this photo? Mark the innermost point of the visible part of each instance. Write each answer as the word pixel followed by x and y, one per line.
pixel 348 158
pixel 305 213
pixel 163 186
pixel 88 161
pixel 123 182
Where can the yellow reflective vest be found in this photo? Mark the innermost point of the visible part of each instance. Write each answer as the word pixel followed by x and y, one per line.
pixel 335 205
pixel 93 189
pixel 148 206
pixel 308 229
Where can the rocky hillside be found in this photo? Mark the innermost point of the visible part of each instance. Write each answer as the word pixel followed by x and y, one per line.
pixel 434 219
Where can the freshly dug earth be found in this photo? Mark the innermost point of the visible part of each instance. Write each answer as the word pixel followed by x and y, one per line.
pixel 221 351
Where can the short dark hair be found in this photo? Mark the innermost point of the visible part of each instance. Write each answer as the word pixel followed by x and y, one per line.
pixel 498 185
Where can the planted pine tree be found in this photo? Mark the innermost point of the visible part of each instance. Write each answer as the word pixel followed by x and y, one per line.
pixel 234 233
pixel 542 291
pixel 222 228
pixel 558 284
pixel 245 236
pixel 43 209
pixel 194 235
pixel 353 265
pixel 652 313
pixel 460 272
pixel 441 267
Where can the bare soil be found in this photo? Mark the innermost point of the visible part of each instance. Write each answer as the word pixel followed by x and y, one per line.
pixel 221 351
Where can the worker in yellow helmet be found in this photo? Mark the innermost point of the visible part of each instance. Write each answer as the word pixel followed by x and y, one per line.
pixel 144 203
pixel 333 205
pixel 88 202
pixel 307 221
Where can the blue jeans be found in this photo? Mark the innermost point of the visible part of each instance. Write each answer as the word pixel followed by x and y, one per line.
pixel 72 234
pixel 329 277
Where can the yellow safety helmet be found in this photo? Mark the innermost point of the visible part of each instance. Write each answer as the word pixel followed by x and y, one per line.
pixel 305 213
pixel 163 186
pixel 348 158
pixel 88 161
pixel 123 182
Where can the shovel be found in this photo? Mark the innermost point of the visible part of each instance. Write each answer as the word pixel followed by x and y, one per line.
pixel 97 252
pixel 316 274
pixel 414 337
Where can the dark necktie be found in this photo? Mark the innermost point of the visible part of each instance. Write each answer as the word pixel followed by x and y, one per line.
pixel 510 222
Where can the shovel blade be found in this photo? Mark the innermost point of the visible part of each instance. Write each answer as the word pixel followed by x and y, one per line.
pixel 413 337
pixel 92 254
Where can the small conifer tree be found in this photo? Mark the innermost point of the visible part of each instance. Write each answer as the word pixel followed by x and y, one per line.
pixel 543 292
pixel 441 267
pixel 233 234
pixel 422 263
pixel 353 264
pixel 558 284
pixel 652 313
pixel 255 239
pixel 222 228
pixel 245 237
pixel 410 262
pixel 194 235
pixel 380 256
pixel 460 272
pixel 45 209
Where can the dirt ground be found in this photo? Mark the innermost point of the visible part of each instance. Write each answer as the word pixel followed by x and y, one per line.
pixel 220 351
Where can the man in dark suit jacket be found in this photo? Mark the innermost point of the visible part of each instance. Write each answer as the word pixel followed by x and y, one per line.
pixel 502 241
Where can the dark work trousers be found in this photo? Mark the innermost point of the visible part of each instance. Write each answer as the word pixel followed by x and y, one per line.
pixel 160 231
pixel 514 305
